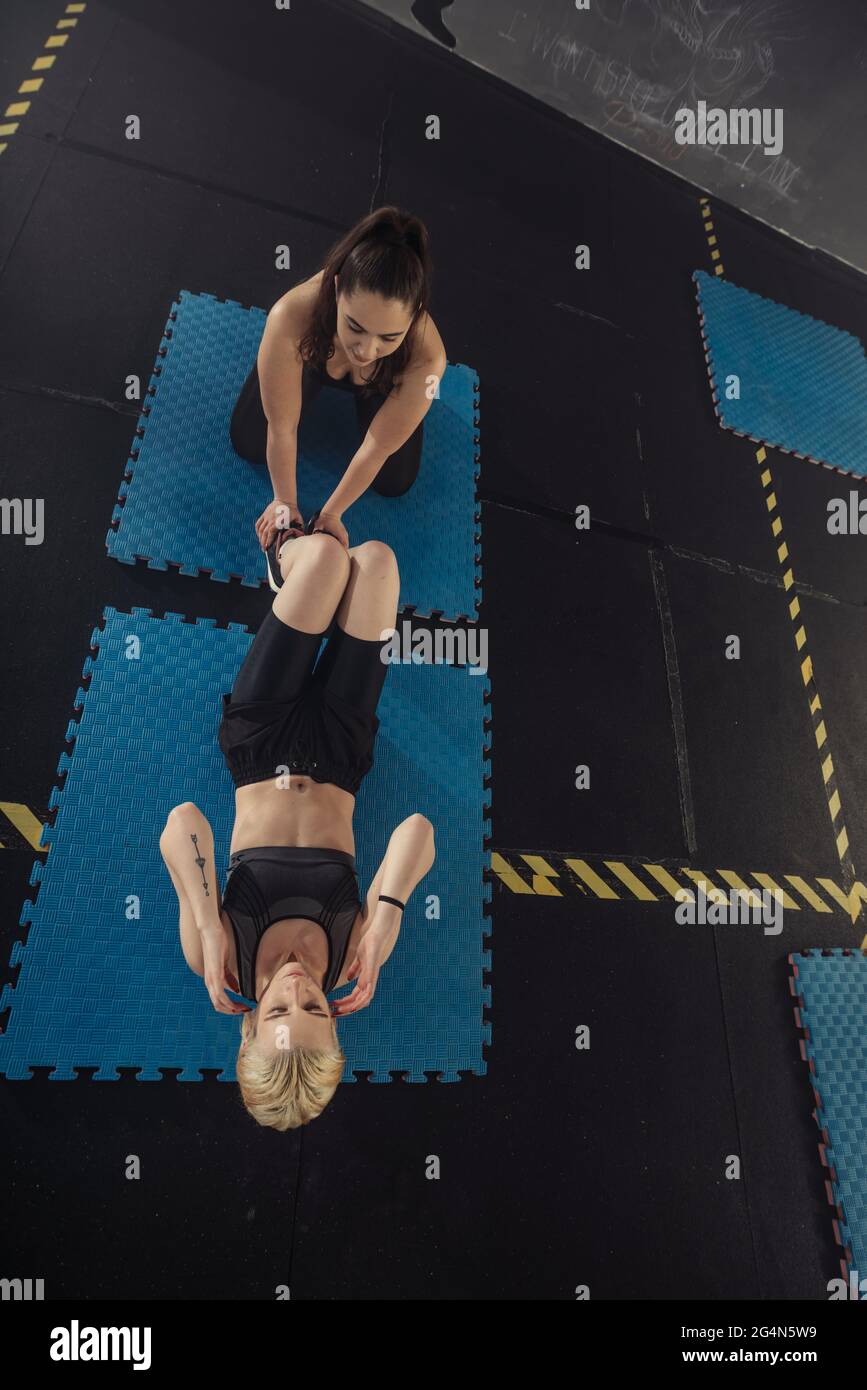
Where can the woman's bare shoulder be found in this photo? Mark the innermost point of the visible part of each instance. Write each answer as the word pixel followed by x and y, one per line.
pixel 292 310
pixel 430 348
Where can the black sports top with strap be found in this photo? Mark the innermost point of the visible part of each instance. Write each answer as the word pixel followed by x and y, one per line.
pixel 271 882
pixel 343 383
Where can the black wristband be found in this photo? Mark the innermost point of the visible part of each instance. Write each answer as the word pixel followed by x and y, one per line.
pixel 383 898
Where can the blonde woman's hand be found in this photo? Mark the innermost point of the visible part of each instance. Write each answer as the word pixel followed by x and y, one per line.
pixel 218 977
pixel 374 946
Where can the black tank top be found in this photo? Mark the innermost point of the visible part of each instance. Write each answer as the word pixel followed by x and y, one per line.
pixel 344 383
pixel 271 882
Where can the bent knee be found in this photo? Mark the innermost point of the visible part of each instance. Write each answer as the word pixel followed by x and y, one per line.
pixel 375 558
pixel 320 550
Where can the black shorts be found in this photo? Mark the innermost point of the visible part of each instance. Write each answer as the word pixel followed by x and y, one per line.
pixel 289 713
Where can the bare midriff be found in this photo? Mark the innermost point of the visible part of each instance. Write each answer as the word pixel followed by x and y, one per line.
pixel 293 811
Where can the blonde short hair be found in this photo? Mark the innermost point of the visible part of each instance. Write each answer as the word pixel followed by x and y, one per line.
pixel 289 1088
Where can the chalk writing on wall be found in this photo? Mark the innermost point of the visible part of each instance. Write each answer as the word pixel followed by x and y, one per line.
pixel 650 58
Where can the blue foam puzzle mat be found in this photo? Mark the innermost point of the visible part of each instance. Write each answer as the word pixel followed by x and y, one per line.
pixel 831 988
pixel 189 500
pixel 103 982
pixel 803 383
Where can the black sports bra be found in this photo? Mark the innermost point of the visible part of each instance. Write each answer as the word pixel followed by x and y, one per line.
pixel 271 882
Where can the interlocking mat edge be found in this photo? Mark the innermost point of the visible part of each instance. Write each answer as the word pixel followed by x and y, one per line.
pixel 782 378
pixel 829 987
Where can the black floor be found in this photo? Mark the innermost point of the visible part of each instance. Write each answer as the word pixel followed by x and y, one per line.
pixel 560 1167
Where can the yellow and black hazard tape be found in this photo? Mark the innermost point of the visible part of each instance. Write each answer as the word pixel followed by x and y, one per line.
pixel 20 828
pixel 16 109
pixel 563 875
pixel 715 253
pixel 820 729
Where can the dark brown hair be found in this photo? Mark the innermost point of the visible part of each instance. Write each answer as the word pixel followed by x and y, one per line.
pixel 386 253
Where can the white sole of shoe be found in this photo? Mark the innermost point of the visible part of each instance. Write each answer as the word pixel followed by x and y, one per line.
pixel 272 584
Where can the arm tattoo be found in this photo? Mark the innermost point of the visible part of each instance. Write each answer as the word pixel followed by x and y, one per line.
pixel 201 863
